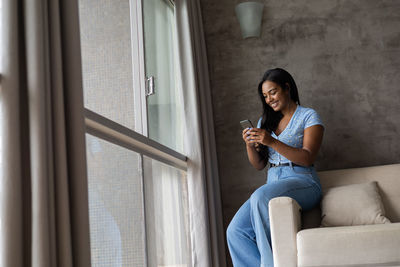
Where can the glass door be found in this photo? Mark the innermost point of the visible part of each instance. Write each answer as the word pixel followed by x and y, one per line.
pixel 165 187
pixel 164 101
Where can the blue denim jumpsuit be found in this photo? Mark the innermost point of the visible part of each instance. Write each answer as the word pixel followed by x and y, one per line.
pixel 248 234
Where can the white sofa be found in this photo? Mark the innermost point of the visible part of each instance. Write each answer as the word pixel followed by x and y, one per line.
pixel 298 239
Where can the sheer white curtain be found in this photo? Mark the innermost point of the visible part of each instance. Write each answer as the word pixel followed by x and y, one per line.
pixel 166 214
pixel 43 186
pixel 208 246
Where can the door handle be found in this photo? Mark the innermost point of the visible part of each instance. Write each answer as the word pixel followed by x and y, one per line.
pixel 150 86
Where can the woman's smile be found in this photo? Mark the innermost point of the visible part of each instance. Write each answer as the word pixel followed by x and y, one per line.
pixel 274 105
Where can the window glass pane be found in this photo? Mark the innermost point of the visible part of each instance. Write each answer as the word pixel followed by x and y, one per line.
pixel 105 34
pixel 115 205
pixel 164 108
pixel 167 216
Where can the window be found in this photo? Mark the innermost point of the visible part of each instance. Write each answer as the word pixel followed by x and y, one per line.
pixel 138 200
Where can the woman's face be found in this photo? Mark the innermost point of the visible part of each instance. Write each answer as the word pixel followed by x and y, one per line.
pixel 274 95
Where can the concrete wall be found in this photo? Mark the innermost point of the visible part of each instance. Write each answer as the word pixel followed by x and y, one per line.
pixel 345 58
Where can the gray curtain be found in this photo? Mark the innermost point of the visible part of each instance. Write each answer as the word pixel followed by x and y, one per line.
pixel 43 184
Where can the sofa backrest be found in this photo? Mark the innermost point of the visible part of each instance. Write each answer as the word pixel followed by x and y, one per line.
pixel 387 176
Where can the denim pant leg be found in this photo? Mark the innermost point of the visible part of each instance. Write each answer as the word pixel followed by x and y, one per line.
pixel 242 239
pixel 305 192
pixel 249 238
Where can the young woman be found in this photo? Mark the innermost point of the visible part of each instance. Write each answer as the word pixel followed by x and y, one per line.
pixel 290 136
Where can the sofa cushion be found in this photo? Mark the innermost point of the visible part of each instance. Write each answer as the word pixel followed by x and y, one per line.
pixel 355 204
pixel 387 176
pixel 365 245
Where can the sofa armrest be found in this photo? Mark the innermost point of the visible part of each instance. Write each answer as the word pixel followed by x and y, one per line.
pixel 285 222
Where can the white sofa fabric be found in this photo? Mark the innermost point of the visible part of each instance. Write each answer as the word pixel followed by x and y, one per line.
pixel 369 245
pixel 286 222
pixel 366 245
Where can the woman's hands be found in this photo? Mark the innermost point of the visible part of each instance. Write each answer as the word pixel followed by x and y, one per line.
pixel 304 156
pixel 246 138
pixel 253 148
pixel 245 135
pixel 256 136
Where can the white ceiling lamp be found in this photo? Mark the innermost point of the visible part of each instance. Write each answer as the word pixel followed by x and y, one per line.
pixel 249 15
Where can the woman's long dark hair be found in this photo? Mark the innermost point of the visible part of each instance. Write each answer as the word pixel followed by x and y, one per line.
pixel 271 118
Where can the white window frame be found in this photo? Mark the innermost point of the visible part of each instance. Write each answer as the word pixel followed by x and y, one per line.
pixel 138 67
pixel 120 135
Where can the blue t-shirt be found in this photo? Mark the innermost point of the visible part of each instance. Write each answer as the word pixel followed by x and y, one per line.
pixel 293 134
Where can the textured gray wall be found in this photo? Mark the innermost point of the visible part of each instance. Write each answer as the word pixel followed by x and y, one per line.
pixel 345 58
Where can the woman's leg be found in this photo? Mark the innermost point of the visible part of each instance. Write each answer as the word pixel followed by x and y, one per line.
pixel 241 239
pixel 304 192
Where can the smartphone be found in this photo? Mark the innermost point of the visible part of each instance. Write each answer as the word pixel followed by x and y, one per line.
pixel 246 124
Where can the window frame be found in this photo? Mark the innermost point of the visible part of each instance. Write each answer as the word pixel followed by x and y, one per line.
pixel 120 135
pixel 138 67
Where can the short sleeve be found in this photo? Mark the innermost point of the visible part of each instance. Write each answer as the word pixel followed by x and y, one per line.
pixel 312 118
pixel 259 123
